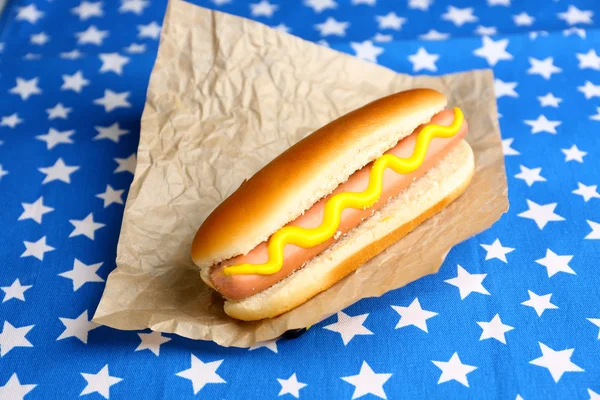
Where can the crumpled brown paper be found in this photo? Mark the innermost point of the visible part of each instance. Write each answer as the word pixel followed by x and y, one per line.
pixel 226 96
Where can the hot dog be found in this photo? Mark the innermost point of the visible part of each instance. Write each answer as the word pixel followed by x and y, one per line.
pixel 239 247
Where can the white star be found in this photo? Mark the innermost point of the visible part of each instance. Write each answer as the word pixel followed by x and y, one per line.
pixel 29 13
pixel 35 210
pixel 589 90
pixel 549 100
pixel 58 111
pixel 320 5
pixel 432 34
pixel 58 172
pixel 12 337
pixel 380 37
pixel 593 395
pixel 15 291
pixel 282 28
pixel 505 88
pixel 486 31
pixel 74 82
pixel 348 326
pixel 422 5
pixel 390 21
pixel 126 164
pixel 555 263
pixel 541 214
pixel 505 3
pixel 367 2
pixel 543 67
pixel 113 62
pixel 36 249
pixel 366 50
pixel 423 60
pixel 534 34
pixel 494 329
pixel 543 124
pixel 135 48
pixel 269 344
pixel 573 16
pixel 493 51
pixel 557 362
pixel 14 390
pixel 523 19
pixel 111 196
pixel 152 31
pixel 459 16
pixel 530 176
pixel 332 27
pixel 112 100
pixel 468 283
pixel 152 341
pixel 595 321
pixel 539 303
pixel 134 6
pixel 201 373
pixel 367 382
pixel 595 233
pixel 291 386
pixel 54 137
pixel 574 154
pixel 574 30
pixel 264 9
pixel 2 172
pixel 86 10
pixel 39 38
pixel 454 370
pixel 91 35
pixel 413 315
pixel 587 192
pixel 99 382
pixel 11 120
pixel 82 274
pixel 86 226
pixel 592 117
pixel 26 88
pixel 77 327
pixel 71 55
pixel 496 250
pixel 589 60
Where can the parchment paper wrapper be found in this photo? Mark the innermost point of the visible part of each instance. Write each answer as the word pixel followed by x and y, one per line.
pixel 226 96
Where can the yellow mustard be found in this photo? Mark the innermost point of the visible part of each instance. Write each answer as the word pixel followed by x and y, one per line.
pixel 334 206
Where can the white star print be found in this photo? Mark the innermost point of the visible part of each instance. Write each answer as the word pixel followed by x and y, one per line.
pixel 126 164
pixel 505 3
pixel 12 337
pixel 574 16
pixel 74 82
pixel 434 35
pixel 595 233
pixel 99 382
pixel 543 124
pixel 112 100
pixel 58 111
pixel 152 341
pixel 282 28
pixel 152 31
pixel 380 37
pixel 82 274
pixel 14 390
pixel 91 35
pixel 111 196
pixel 367 382
pixel 422 5
pixel 86 226
pixel 589 60
pixel 113 62
pixel 201 373
pixel 291 386
pixel 36 249
pixel 367 2
pixel 26 88
pixel 595 321
pixel 35 210
pixel 557 362
pixel 592 117
pixel 459 16
pixel 523 19
pixel 3 172
pixel 113 132
pixel 11 120
pixel 58 172
pixel 505 88
pixel 468 283
pixel 86 10
pixel 543 67
pixel 496 250
pixel 587 192
pixel 54 138
pixel 574 30
pixel 77 327
pixel 263 9
pixel 15 291
pixel 423 60
pixel 555 263
pixel 366 50
pixel 135 48
pixel 29 13
pixel 549 100
pixel 541 214
pixel 332 27
pixel 486 31
pixel 348 327
pixel 71 55
pixel 494 329
pixel 539 303
pixel 413 315
pixel 320 5
pixel 534 34
pixel 269 344
pixel 39 39
pixel 530 176
pixel 573 154
pixel 493 51
pixel 589 90
pixel 390 21
pixel 134 6
pixel 593 395
pixel 454 370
